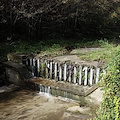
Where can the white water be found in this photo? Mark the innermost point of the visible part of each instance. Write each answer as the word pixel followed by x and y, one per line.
pixel 44 90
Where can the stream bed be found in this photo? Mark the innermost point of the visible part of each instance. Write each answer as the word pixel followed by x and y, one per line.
pixel 23 104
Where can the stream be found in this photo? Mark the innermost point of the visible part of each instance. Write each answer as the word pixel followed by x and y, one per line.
pixel 23 104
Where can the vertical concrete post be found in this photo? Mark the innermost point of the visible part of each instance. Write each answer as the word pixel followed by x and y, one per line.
pixel 26 62
pixel 55 71
pixel 42 67
pixel 80 75
pixel 33 62
pixel 48 69
pixel 69 78
pixel 60 73
pixel 38 66
pixel 97 74
pixel 65 72
pixel 51 69
pixel 33 68
pixel 91 76
pixel 75 74
pixel 30 62
pixel 85 69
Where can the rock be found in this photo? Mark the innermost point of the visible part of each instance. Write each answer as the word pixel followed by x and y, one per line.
pixel 83 110
pixel 18 58
pixel 96 97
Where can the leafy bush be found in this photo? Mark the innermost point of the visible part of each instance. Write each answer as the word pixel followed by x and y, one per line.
pixel 110 109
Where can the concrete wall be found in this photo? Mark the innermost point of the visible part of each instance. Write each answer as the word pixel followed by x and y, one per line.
pixel 19 75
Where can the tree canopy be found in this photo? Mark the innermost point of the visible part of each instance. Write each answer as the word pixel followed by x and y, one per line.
pixel 65 18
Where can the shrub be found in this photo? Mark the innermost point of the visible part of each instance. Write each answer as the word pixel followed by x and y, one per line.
pixel 110 109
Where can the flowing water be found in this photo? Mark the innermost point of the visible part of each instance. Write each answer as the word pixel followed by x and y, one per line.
pixel 48 91
pixel 22 104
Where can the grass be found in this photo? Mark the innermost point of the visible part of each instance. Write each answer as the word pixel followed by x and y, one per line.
pixel 51 46
pixel 57 47
pixel 103 55
pixel 41 47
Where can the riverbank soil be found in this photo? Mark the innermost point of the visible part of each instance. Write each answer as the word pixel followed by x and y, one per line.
pixel 21 104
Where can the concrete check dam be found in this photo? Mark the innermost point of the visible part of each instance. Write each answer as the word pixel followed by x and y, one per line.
pixel 51 76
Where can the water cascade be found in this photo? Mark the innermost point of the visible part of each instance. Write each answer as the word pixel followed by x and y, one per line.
pixel 44 90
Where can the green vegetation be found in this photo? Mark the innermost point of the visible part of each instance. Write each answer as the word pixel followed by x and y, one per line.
pixel 110 109
pixel 59 47
pixel 46 47
pixel 103 55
